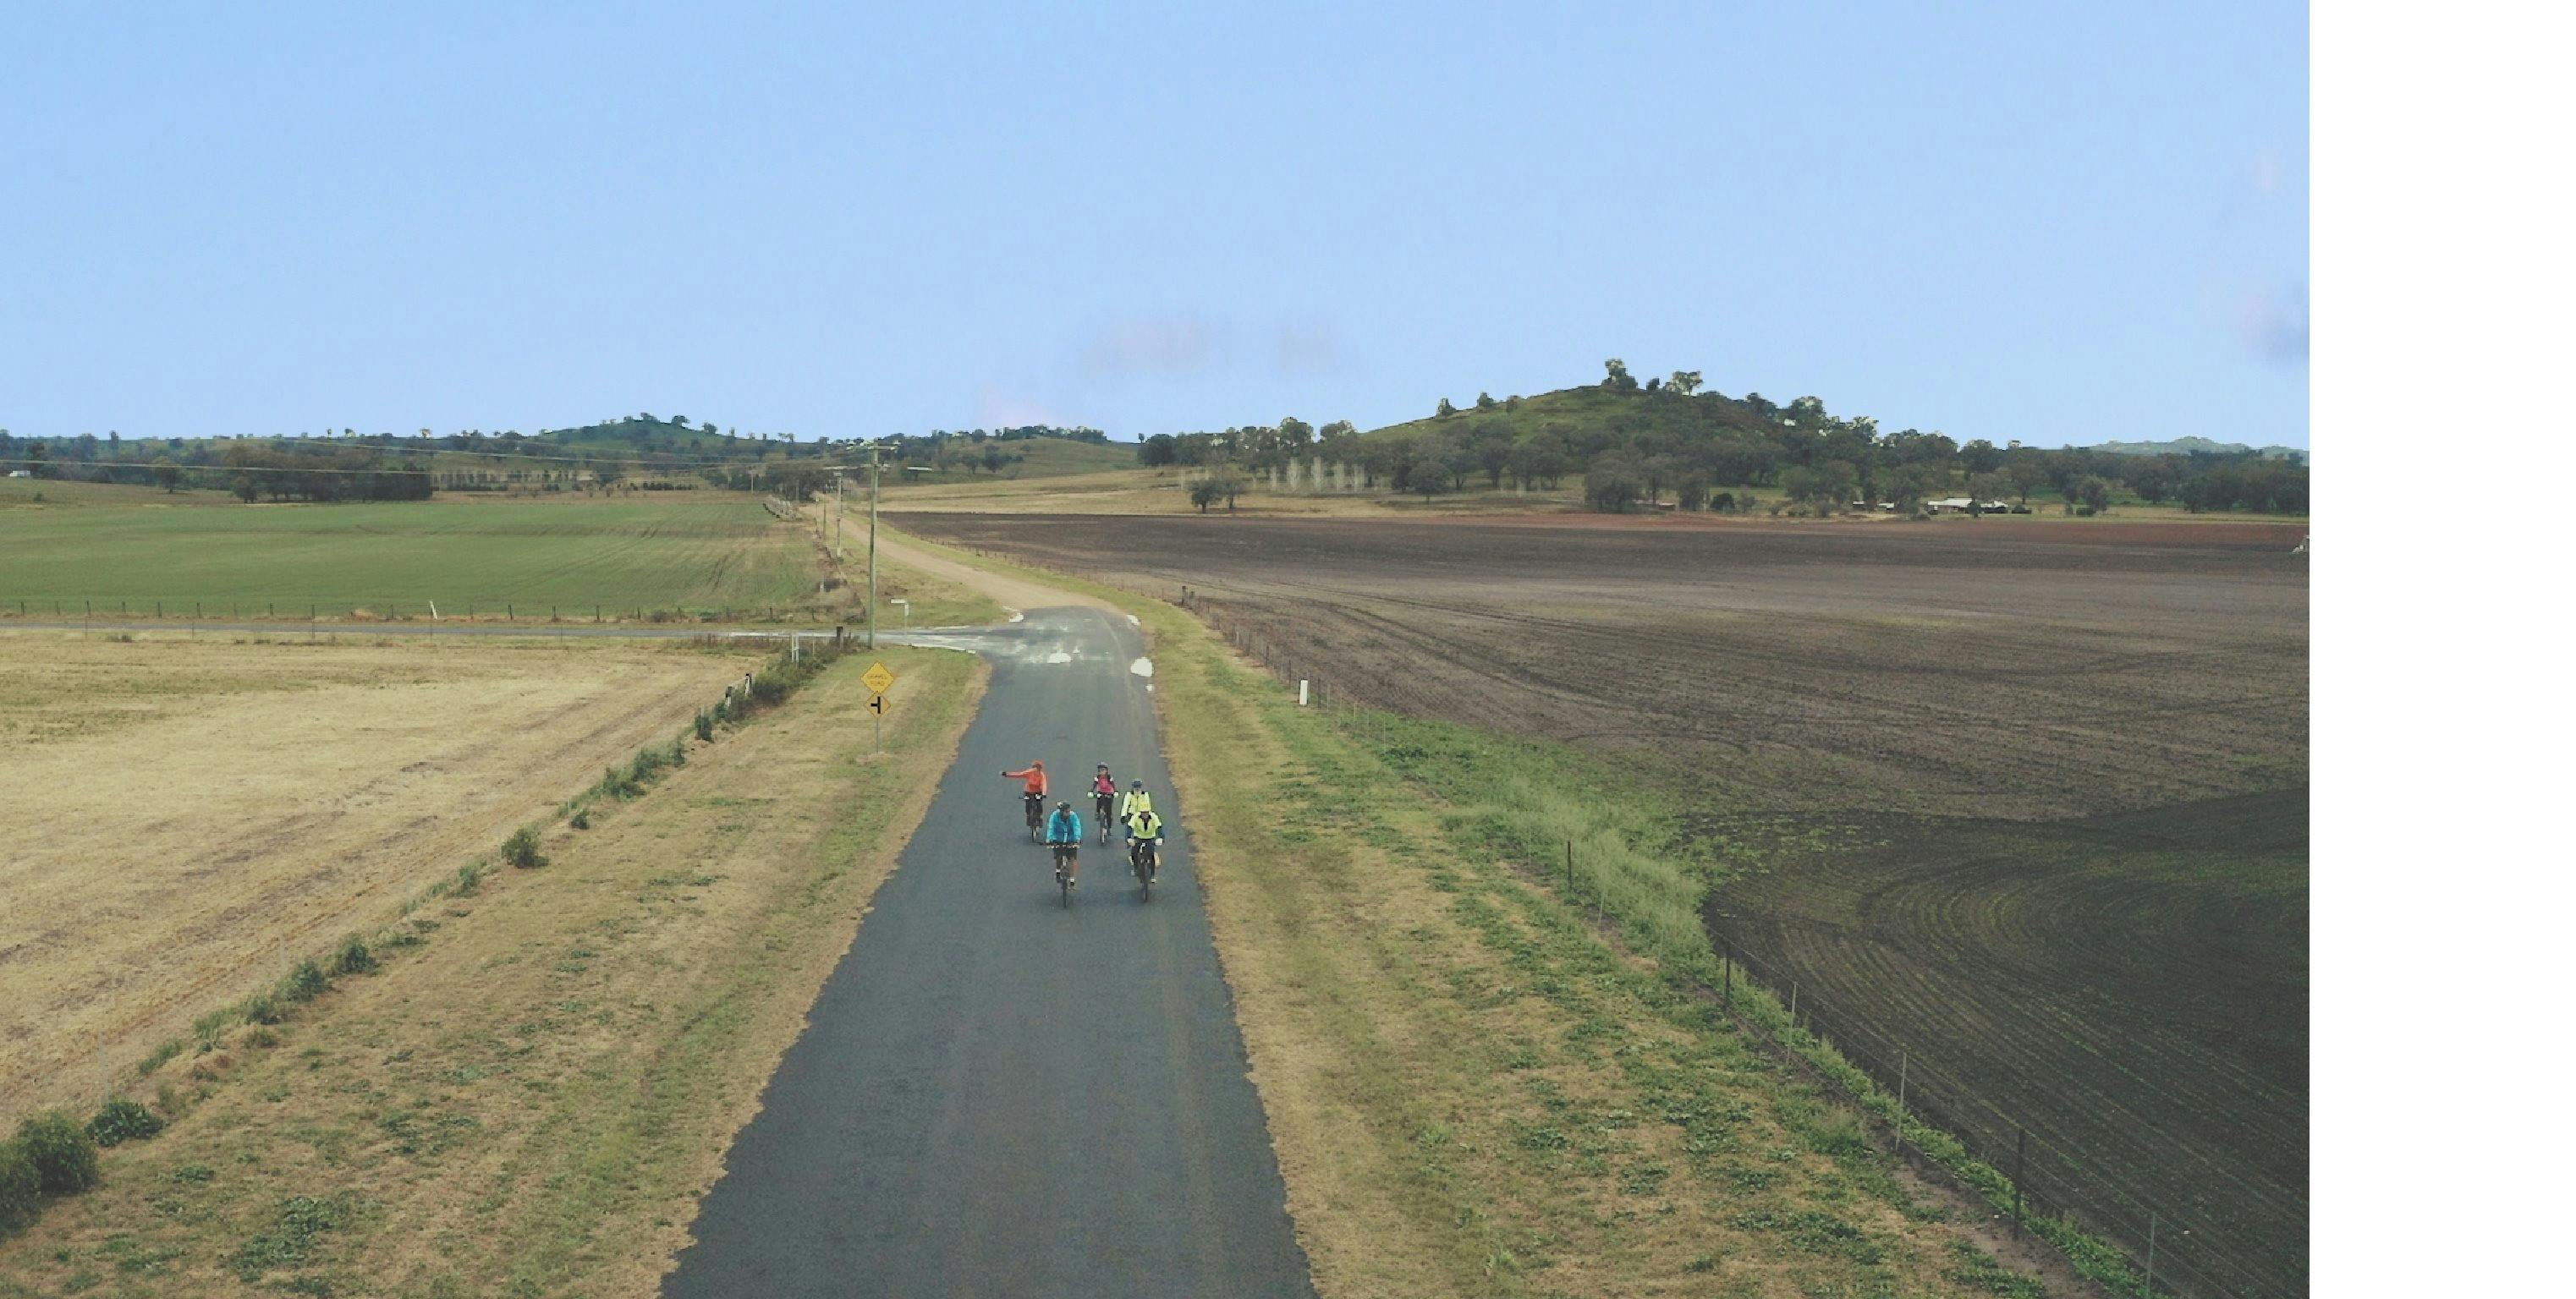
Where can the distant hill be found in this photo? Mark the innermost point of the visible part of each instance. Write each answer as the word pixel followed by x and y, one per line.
pixel 637 433
pixel 1581 411
pixel 2184 446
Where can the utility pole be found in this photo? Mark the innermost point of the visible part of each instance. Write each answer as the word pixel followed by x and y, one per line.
pixel 876 481
pixel 838 481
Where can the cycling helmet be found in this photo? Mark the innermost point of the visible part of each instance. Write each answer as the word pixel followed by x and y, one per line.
pixel 1064 807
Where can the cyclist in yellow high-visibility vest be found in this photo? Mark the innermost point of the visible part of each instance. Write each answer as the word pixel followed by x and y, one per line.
pixel 1135 800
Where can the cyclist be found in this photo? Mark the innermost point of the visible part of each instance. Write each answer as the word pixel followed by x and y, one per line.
pixel 1137 800
pixel 1064 839
pixel 1032 787
pixel 1145 842
pixel 1104 791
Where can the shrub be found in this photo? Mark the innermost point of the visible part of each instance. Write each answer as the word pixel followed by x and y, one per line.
pixel 469 878
pixel 353 957
pixel 19 1187
pixel 706 725
pixel 303 983
pixel 120 1121
pixel 290 1242
pixel 520 849
pixel 160 1056
pixel 581 819
pixel 262 1008
pixel 679 755
pixel 211 1025
pixel 65 1159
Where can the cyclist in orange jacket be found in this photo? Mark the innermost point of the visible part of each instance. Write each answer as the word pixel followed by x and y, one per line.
pixel 1033 776
pixel 1033 790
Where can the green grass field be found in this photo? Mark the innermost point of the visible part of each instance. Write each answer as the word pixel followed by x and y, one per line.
pixel 123 548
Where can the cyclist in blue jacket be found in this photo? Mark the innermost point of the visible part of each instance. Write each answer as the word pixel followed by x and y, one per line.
pixel 1064 839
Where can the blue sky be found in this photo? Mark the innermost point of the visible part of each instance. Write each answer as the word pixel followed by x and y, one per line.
pixel 2044 222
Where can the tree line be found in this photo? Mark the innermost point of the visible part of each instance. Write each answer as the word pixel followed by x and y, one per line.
pixel 1629 443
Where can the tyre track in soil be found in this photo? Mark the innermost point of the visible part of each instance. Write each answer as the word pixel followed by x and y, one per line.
pixel 350 892
pixel 1639 701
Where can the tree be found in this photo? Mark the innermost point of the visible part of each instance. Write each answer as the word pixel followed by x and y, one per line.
pixel 1981 456
pixel 165 471
pixel 2095 492
pixel 1983 488
pixel 1619 379
pixel 1690 491
pixel 1613 484
pixel 2152 478
pixel 1491 444
pixel 1484 401
pixel 1160 449
pixel 1836 480
pixel 1446 409
pixel 2025 472
pixel 1685 382
pixel 1909 487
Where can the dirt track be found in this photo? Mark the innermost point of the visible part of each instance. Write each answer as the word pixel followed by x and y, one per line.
pixel 2030 795
pixel 212 810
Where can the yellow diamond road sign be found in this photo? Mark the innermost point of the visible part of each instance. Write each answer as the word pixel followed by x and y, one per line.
pixel 877 679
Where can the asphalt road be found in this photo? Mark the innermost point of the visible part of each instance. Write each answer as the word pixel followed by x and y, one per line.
pixel 998 1095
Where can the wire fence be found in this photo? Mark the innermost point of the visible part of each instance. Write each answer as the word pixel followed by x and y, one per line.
pixel 69 609
pixel 2167 1248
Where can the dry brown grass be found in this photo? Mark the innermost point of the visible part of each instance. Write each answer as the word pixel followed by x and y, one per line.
pixel 191 814
pixel 532 1101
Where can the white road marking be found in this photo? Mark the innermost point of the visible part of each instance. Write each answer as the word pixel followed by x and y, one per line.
pixel 1142 667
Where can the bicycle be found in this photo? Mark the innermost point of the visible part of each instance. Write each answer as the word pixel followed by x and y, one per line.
pixel 1100 811
pixel 1064 856
pixel 1036 805
pixel 1146 858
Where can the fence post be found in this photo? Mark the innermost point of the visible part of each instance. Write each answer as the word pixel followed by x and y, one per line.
pixel 1904 1061
pixel 1569 868
pixel 2021 1144
pixel 1727 964
pixel 1793 1003
pixel 2151 1256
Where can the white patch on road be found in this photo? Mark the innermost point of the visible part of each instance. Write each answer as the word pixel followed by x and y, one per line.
pixel 1134 621
pixel 1059 657
pixel 1016 615
pixel 1142 667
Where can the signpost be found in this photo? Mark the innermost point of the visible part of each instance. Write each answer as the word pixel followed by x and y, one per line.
pixel 878 679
